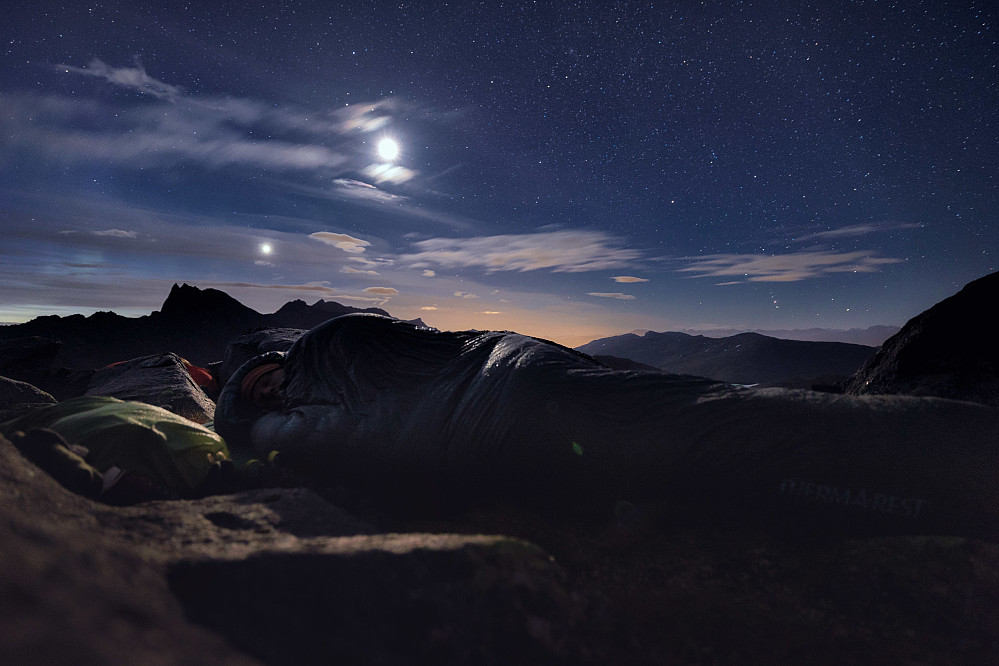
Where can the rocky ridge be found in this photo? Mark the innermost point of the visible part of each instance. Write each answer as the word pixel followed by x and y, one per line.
pixel 194 323
pixel 948 351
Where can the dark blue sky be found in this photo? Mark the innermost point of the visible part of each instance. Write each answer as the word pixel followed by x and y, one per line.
pixel 571 170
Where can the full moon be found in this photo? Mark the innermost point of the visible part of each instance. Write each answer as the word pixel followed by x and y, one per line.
pixel 388 149
pixel 265 248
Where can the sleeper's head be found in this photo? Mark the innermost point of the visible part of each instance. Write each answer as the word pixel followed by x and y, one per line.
pixel 260 385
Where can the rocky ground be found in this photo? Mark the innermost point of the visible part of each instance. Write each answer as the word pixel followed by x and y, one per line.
pixel 283 576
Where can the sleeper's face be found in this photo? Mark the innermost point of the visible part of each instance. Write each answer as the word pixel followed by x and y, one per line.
pixel 265 391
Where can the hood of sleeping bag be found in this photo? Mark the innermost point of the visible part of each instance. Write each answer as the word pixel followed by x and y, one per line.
pixel 233 415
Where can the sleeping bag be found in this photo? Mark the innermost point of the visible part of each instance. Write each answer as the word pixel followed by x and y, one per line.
pixel 169 450
pixel 381 402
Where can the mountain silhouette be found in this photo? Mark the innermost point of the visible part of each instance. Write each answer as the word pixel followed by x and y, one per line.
pixel 192 322
pixel 746 358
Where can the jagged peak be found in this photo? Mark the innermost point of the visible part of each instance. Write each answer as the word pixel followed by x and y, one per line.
pixel 186 298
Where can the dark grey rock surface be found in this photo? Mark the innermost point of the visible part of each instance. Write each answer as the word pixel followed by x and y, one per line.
pixel 159 379
pixel 948 351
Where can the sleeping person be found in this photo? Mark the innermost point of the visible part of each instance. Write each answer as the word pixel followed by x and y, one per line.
pixel 370 400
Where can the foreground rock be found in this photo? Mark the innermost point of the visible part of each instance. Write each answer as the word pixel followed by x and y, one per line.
pixel 282 576
pixel 159 379
pixel 17 397
pixel 32 359
pixel 948 351
pixel 276 574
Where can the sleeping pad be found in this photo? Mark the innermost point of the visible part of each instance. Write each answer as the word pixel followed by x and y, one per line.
pixel 378 401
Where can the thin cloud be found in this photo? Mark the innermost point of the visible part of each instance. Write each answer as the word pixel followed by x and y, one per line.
pixel 315 288
pixel 354 271
pixel 178 126
pixel 559 251
pixel 134 78
pixel 391 173
pixel 854 231
pixel 786 267
pixel 626 279
pixel 618 295
pixel 382 291
pixel 110 233
pixel 341 241
pixel 116 233
pixel 349 188
pixel 319 287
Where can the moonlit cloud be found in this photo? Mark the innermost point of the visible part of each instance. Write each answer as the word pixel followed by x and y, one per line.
pixel 491 312
pixel 354 271
pixel 117 233
pixel 370 263
pixel 464 294
pixel 349 188
pixel 134 78
pixel 382 291
pixel 341 241
pixel 628 279
pixel 855 230
pixel 110 233
pixel 786 267
pixel 176 126
pixel 316 287
pixel 367 117
pixel 390 173
pixel 429 273
pixel 558 251
pixel 618 295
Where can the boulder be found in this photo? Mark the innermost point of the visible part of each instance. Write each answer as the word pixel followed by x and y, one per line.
pixel 161 380
pixel 71 593
pixel 32 353
pixel 17 397
pixel 31 359
pixel 947 351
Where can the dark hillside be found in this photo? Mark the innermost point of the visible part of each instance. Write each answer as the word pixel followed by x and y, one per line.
pixel 747 358
pixel 193 323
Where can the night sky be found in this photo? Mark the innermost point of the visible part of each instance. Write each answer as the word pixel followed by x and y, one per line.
pixel 565 169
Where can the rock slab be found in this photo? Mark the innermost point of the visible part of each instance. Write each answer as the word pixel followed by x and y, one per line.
pixel 948 351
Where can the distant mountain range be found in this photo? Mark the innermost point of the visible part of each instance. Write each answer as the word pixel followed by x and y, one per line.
pixel 194 323
pixel 746 358
pixel 873 336
pixel 198 323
